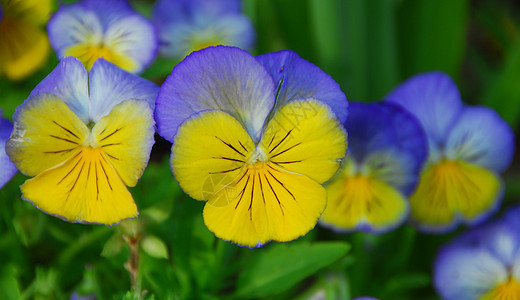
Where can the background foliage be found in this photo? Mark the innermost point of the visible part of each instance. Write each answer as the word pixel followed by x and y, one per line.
pixel 367 47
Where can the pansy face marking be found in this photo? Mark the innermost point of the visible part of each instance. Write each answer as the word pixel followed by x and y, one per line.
pixel 387 149
pixel 111 29
pixel 268 171
pixel 468 148
pixel 84 138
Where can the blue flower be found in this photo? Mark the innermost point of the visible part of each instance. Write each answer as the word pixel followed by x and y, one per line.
pixel 111 29
pixel 188 25
pixel 255 138
pixel 468 148
pixel 387 148
pixel 84 137
pixel 7 168
pixel 482 264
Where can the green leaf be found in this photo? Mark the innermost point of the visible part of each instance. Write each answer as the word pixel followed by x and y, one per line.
pixel 155 247
pixel 432 35
pixel 8 284
pixel 404 283
pixel 284 265
pixel 503 93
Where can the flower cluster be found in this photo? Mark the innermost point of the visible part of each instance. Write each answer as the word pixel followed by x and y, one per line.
pixel 259 139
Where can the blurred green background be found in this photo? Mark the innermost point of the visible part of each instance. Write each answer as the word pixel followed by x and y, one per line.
pixel 368 47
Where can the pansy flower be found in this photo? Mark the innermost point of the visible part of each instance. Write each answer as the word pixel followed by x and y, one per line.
pixel 7 168
pixel 84 136
pixel 110 29
pixel 24 46
pixel 483 264
pixel 255 138
pixel 468 148
pixel 387 148
pixel 188 25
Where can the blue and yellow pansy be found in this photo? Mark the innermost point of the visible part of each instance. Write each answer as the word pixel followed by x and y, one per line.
pixel 189 25
pixel 84 136
pixel 468 148
pixel 387 148
pixel 483 264
pixel 111 29
pixel 24 46
pixel 255 138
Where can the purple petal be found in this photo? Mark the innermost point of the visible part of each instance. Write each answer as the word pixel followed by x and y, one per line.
pixel 110 85
pixel 389 141
pixel 69 82
pixel 166 11
pixel 467 273
pixel 481 137
pixel 7 168
pixel 223 78
pixel 435 100
pixel 301 79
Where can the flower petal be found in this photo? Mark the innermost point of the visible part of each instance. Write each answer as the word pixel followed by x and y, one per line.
pixel 363 203
pixel 7 168
pixel 185 11
pixel 299 79
pixel 83 189
pixel 387 142
pixel 24 48
pixel 110 85
pixel 435 100
pixel 126 137
pixel 265 203
pixel 481 137
pixel 69 82
pixel 74 24
pixel 450 191
pixel 133 37
pixel 180 38
pixel 46 133
pixel 467 273
pixel 223 78
pixel 31 11
pixel 209 152
pixel 305 137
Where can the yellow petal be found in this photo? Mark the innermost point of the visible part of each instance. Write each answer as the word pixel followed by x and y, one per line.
pixel 46 133
pixel 24 48
pixel 84 189
pixel 125 136
pixel 306 138
pixel 88 54
pixel 209 152
pixel 33 11
pixel 359 202
pixel 265 203
pixel 450 190
pixel 509 290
